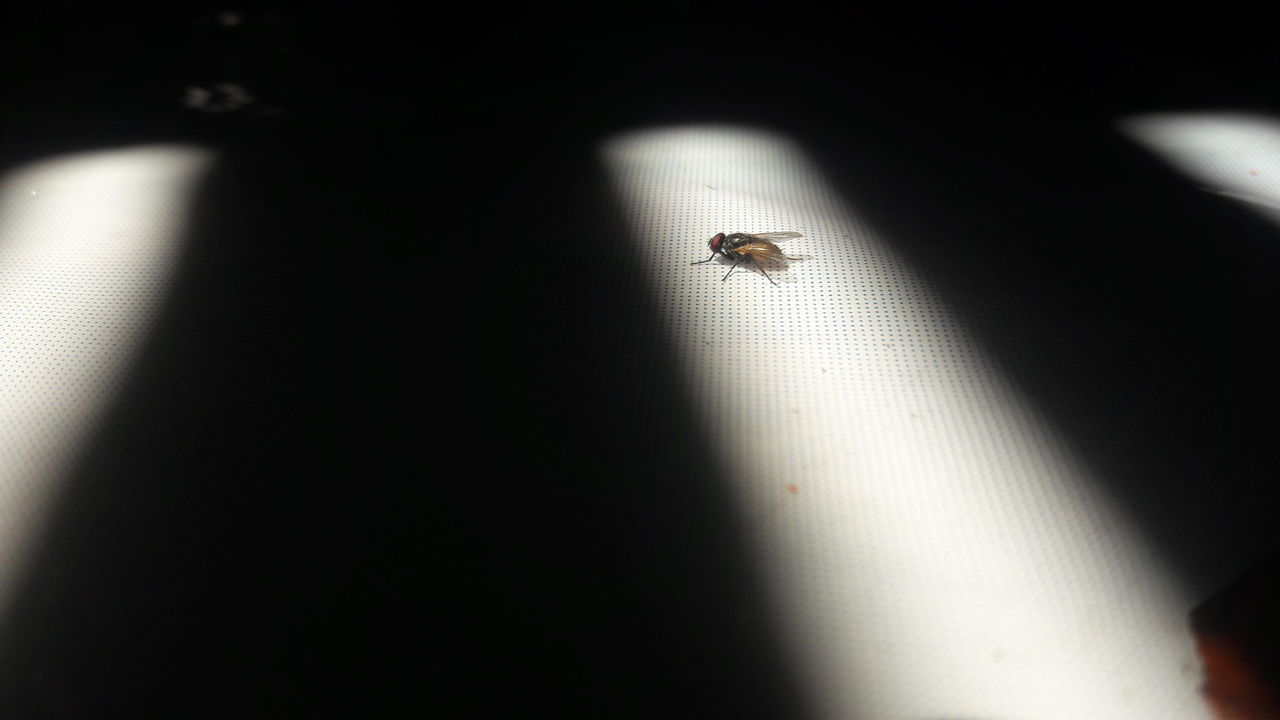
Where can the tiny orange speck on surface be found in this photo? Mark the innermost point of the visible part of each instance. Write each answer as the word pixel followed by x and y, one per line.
pixel 1253 172
pixel 793 489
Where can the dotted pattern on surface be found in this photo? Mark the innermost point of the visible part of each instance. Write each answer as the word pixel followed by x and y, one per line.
pixel 930 547
pixel 87 246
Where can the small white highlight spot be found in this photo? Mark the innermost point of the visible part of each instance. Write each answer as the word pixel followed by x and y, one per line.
pixel 223 97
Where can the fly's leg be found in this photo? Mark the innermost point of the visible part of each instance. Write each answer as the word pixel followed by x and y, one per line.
pixel 726 275
pixel 766 276
pixel 713 257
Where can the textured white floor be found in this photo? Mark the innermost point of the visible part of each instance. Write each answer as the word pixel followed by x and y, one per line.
pixel 87 246
pixel 932 551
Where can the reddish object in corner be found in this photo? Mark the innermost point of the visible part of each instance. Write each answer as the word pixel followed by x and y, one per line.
pixel 1238 635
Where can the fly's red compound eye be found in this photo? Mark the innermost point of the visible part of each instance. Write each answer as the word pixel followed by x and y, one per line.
pixel 715 241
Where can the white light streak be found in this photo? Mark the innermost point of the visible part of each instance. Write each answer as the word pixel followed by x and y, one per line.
pixel 931 548
pixel 87 247
pixel 1233 154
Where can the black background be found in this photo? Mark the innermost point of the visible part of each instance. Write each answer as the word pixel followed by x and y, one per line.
pixel 395 308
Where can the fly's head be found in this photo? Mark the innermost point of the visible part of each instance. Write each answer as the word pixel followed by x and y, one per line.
pixel 716 243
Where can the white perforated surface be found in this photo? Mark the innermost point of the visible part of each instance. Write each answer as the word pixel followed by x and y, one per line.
pixel 931 549
pixel 87 246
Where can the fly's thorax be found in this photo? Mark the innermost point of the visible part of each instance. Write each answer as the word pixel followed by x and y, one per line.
pixel 731 247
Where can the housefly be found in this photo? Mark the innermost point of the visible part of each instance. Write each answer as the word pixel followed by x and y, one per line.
pixel 755 248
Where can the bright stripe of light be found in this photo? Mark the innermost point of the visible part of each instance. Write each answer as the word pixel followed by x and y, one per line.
pixel 931 548
pixel 1234 154
pixel 87 249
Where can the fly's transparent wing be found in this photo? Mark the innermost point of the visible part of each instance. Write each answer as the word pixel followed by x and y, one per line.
pixel 776 236
pixel 762 250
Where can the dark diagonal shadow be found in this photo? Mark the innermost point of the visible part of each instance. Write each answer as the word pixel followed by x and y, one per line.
pixel 1126 304
pixel 201 544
